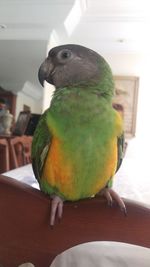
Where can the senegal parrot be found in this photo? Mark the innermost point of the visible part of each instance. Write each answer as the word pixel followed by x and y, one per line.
pixel 78 143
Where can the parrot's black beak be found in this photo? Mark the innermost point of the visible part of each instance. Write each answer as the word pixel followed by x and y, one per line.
pixel 44 73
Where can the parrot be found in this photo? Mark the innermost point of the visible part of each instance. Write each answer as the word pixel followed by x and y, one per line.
pixel 78 143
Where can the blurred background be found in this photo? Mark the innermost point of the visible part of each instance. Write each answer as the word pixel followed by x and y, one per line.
pixel 117 29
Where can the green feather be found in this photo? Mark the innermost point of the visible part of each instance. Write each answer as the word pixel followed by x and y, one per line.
pixel 40 146
pixel 84 122
pixel 82 118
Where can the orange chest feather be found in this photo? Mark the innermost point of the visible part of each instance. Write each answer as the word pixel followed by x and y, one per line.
pixel 57 170
pixel 60 173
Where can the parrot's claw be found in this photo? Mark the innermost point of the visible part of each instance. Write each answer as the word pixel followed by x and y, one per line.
pixel 56 207
pixel 111 195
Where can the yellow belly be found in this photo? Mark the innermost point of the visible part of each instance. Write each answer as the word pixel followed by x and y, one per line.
pixel 59 173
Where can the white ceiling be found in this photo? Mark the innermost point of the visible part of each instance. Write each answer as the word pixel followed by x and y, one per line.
pixel 107 26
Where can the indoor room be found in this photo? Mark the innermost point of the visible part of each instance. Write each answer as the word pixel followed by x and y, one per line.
pixel 118 30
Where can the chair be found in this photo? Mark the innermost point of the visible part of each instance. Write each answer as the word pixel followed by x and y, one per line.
pixel 4 152
pixel 20 150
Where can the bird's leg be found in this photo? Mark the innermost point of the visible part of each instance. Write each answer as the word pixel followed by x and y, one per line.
pixel 56 207
pixel 111 195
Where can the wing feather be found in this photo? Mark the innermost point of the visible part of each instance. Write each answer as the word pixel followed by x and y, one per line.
pixel 120 148
pixel 40 146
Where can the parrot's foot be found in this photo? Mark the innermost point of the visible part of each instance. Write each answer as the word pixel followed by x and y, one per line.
pixel 111 195
pixel 56 207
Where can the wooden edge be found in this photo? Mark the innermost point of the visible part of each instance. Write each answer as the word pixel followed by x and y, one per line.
pixel 26 235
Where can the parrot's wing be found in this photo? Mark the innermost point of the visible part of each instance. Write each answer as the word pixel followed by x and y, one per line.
pixel 120 150
pixel 120 146
pixel 40 146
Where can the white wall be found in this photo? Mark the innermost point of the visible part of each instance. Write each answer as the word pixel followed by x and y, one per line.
pixel 30 96
pixel 47 95
pixel 135 65
pixel 125 64
pixel 23 99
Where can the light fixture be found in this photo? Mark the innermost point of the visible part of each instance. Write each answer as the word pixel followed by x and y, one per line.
pixel 3 26
pixel 121 40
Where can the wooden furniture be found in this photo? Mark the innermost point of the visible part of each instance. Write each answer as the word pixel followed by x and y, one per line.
pixel 26 236
pixel 4 152
pixel 18 152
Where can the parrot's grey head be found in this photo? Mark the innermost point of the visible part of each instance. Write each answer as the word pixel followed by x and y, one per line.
pixel 71 64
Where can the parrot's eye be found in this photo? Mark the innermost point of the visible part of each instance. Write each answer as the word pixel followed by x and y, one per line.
pixel 64 54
